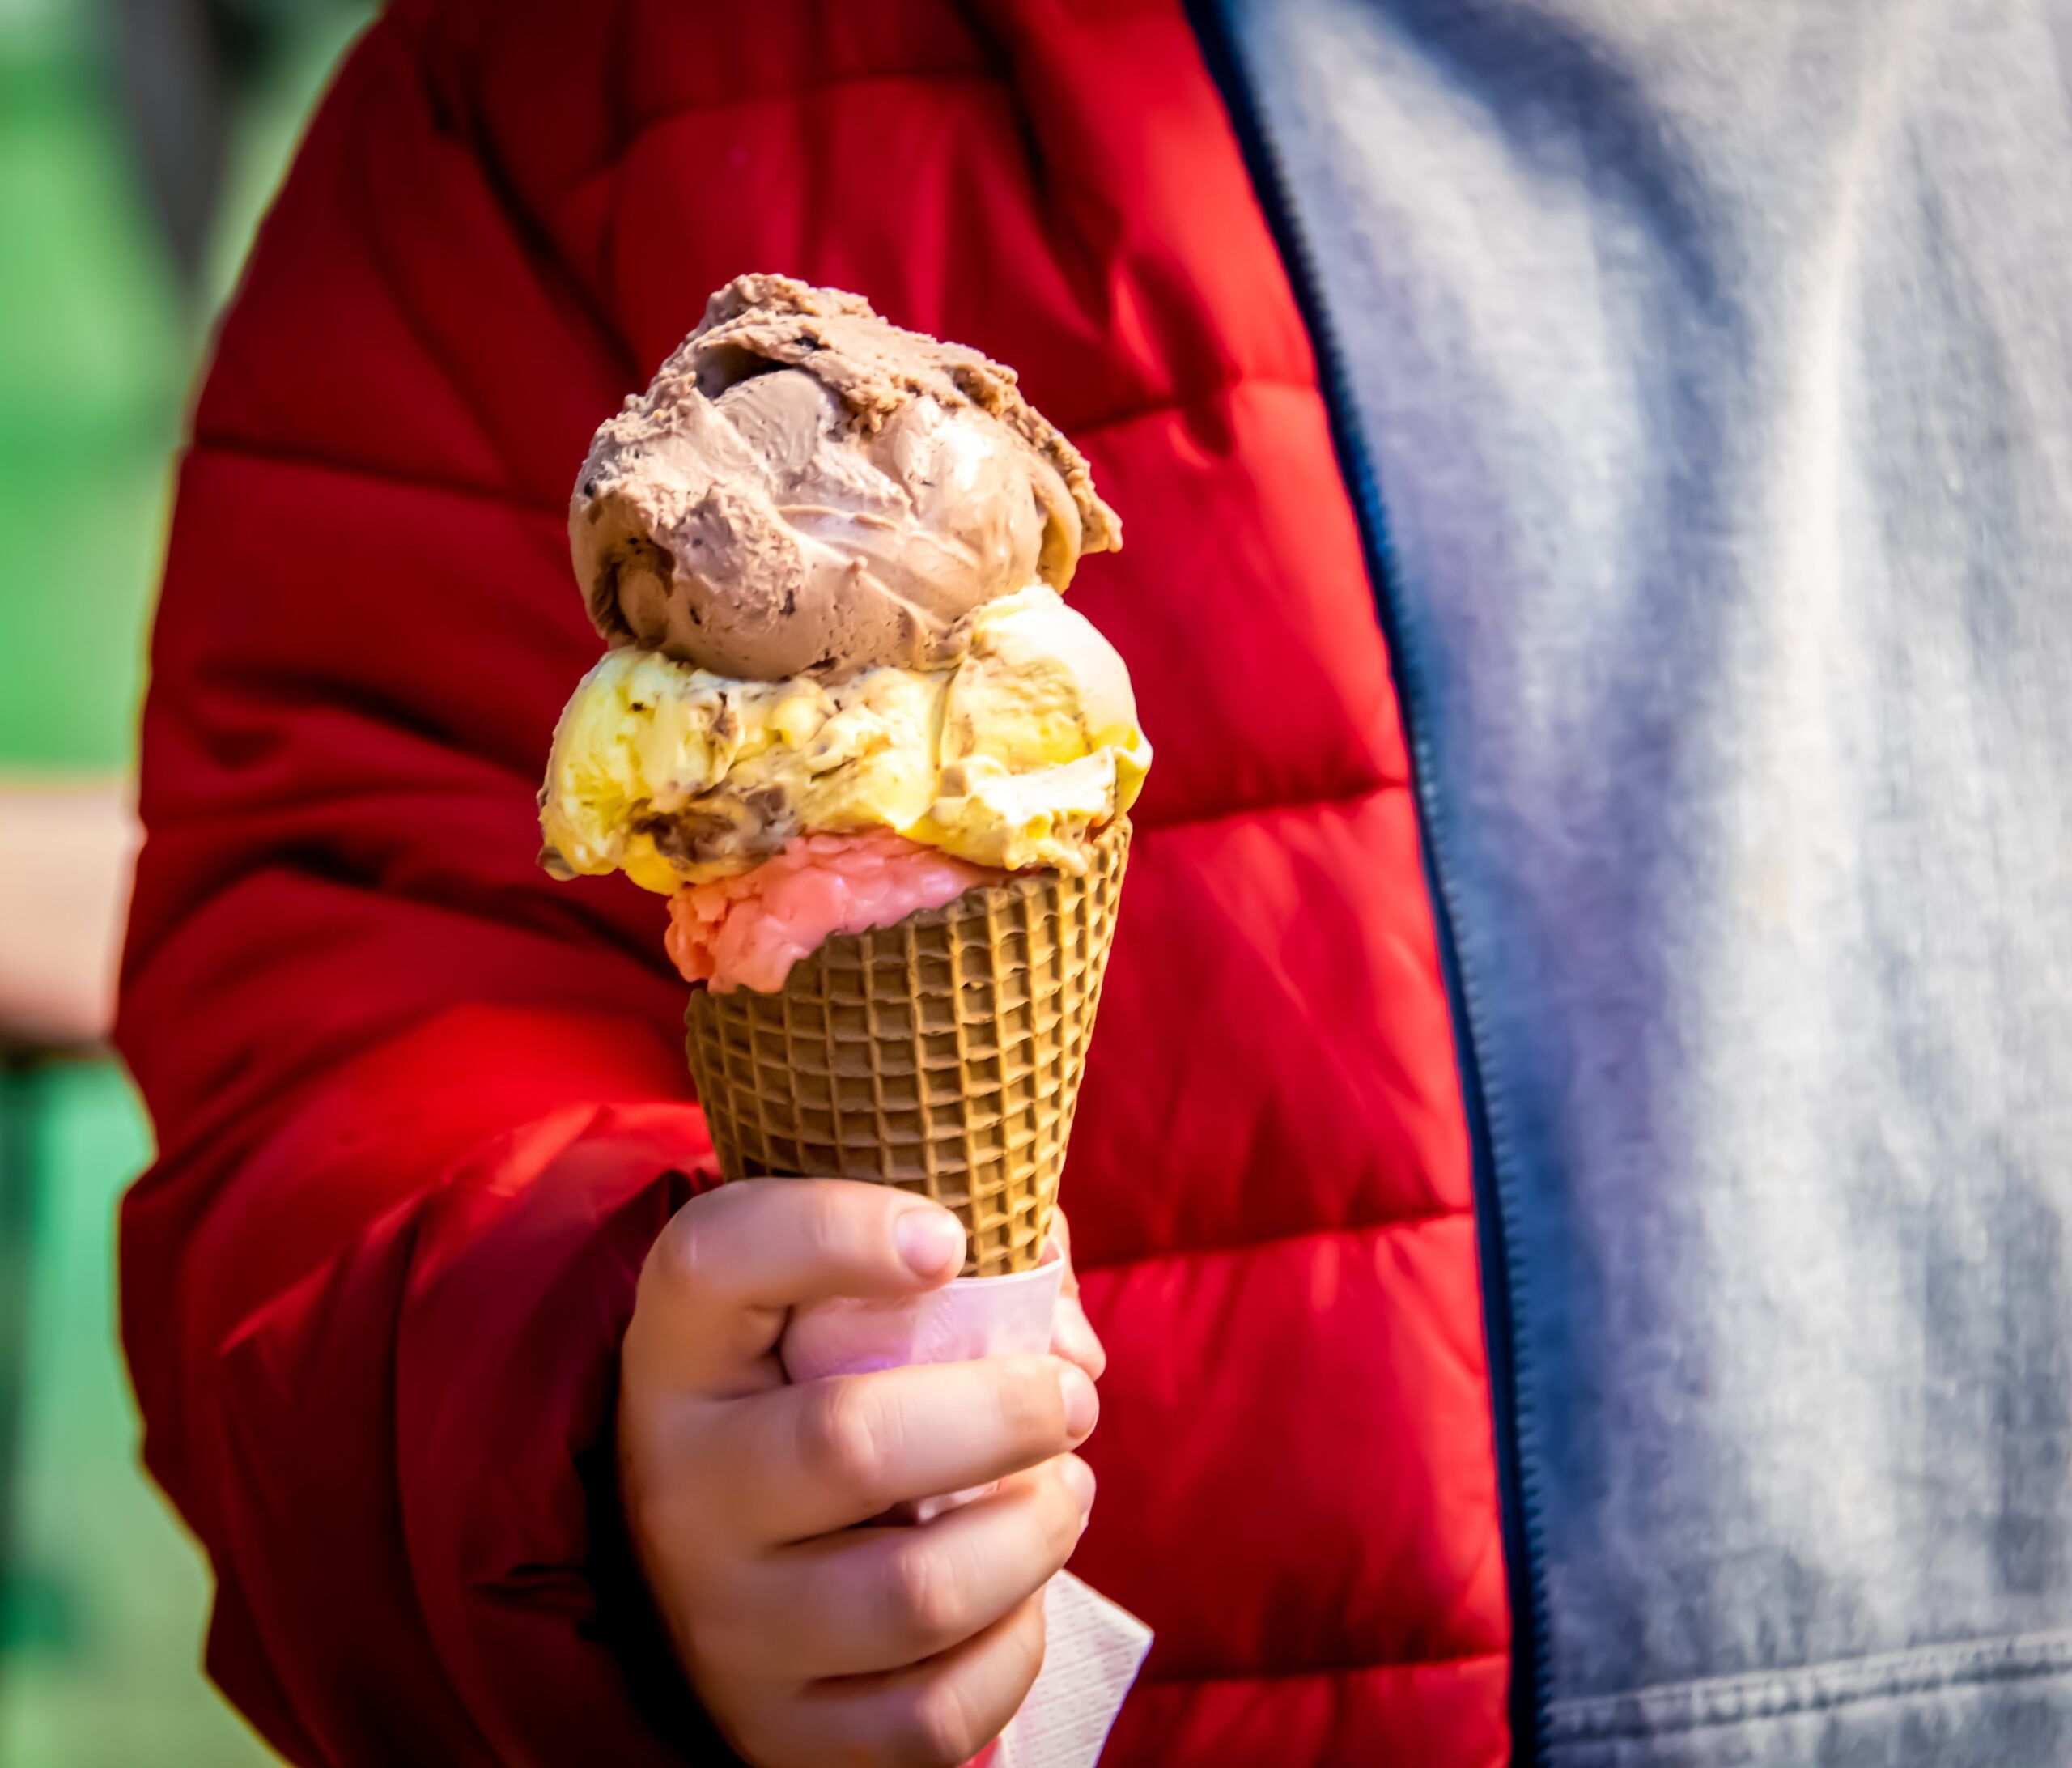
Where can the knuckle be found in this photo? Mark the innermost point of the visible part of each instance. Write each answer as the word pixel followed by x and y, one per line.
pixel 842 1448
pixel 922 1594
pixel 832 1226
pixel 1031 1407
pixel 942 1731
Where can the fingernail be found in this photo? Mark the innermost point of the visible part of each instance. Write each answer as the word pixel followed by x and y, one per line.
pixel 1079 1481
pixel 1082 1404
pixel 930 1240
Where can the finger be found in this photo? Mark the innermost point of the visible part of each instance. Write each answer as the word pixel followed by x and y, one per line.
pixel 935 1715
pixel 720 1278
pixel 1072 1335
pixel 877 1600
pixel 1073 1338
pixel 798 1462
pixel 1061 1238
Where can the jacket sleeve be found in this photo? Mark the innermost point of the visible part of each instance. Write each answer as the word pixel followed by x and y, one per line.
pixel 420 1111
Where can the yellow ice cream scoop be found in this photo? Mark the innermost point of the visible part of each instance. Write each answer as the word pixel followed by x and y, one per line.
pixel 1008 758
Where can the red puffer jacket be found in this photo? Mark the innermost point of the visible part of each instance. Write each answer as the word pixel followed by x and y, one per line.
pixel 422 1109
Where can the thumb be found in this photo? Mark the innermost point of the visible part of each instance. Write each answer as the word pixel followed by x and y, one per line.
pixel 733 1262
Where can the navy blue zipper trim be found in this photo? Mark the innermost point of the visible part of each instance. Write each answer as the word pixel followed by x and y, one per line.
pixel 1495 1204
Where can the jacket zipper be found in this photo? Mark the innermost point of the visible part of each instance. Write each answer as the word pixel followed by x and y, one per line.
pixel 1495 1204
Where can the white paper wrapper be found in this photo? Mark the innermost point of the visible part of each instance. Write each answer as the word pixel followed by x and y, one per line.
pixel 1094 1649
pixel 1091 1654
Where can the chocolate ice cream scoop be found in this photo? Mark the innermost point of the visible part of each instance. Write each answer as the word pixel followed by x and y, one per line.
pixel 805 488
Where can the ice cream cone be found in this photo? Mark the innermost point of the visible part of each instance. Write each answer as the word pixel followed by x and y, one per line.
pixel 942 1054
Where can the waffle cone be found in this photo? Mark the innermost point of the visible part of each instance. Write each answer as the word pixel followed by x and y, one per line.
pixel 942 1054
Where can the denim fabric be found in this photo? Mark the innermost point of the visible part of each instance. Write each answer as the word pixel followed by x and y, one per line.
pixel 1712 362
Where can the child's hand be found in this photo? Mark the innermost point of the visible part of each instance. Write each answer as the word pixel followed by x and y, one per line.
pixel 811 1640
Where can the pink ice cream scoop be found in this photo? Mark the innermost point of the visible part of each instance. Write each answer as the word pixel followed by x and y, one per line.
pixel 747 931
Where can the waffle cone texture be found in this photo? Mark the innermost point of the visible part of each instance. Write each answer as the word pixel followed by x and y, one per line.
pixel 942 1054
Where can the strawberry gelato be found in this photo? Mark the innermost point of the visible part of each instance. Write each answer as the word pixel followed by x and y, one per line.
pixel 747 931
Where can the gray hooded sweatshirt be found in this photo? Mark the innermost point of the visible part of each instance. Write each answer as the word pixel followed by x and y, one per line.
pixel 1704 370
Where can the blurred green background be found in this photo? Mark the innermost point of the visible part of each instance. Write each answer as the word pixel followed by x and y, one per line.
pixel 139 140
